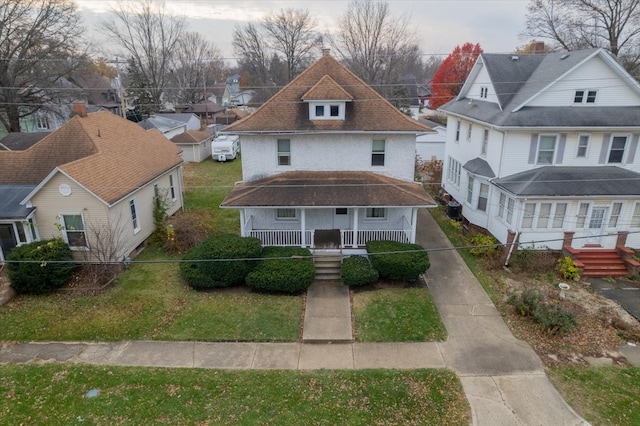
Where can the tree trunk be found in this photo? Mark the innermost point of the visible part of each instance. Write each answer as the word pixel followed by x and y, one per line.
pixel 13 113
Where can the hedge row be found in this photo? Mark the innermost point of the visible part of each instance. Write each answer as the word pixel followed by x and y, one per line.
pixel 398 261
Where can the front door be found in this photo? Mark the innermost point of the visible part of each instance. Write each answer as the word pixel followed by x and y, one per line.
pixel 341 218
pixel 7 239
pixel 595 228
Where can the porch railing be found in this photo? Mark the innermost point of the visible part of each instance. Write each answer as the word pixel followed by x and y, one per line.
pixel 402 236
pixel 283 237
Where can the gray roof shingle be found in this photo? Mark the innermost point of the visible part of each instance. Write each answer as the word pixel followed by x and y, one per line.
pixel 11 196
pixel 567 181
pixel 480 167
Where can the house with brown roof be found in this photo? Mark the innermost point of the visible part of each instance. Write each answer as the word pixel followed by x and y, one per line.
pixel 328 163
pixel 92 182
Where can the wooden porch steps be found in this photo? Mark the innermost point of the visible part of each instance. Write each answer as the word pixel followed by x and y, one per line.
pixel 328 264
pixel 600 263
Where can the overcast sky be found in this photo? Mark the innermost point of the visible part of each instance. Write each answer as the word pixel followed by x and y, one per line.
pixel 440 25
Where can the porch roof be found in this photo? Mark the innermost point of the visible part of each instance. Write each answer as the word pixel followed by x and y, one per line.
pixel 328 189
pixel 11 196
pixel 565 181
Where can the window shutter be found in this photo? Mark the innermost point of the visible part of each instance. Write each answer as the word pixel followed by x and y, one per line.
pixel 533 148
pixel 632 148
pixel 561 144
pixel 605 147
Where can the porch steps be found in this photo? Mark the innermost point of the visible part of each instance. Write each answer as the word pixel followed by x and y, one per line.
pixel 601 263
pixel 328 264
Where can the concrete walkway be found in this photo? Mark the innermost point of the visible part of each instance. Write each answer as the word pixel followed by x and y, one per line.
pixel 246 356
pixel 327 315
pixel 502 376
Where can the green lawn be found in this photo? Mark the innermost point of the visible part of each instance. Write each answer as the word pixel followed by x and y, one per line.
pixel 396 315
pixel 55 394
pixel 150 301
pixel 603 395
pixel 206 185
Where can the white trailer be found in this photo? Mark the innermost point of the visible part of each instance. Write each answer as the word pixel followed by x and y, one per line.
pixel 225 147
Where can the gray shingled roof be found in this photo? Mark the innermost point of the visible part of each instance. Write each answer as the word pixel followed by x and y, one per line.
pixel 18 141
pixel 11 196
pixel 480 167
pixel 518 80
pixel 567 181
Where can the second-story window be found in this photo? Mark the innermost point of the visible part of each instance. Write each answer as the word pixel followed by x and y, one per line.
pixel 458 124
pixel 585 96
pixel 319 110
pixel 583 145
pixel 616 152
pixel 469 131
pixel 485 142
pixel 284 152
pixel 546 149
pixel 377 153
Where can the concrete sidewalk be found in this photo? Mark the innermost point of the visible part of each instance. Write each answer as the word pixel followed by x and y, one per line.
pixel 327 314
pixel 246 356
pixel 502 376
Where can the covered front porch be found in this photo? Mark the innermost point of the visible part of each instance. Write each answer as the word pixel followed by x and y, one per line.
pixel 319 229
pixel 328 209
pixel 17 223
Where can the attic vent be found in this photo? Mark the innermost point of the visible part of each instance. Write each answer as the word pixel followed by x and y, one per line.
pixel 565 56
pixel 515 58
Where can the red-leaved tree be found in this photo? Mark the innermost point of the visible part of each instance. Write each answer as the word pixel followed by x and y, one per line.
pixel 450 77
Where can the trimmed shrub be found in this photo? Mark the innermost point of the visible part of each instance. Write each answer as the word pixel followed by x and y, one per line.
pixel 398 266
pixel 484 245
pixel 568 269
pixel 283 269
pixel 210 269
pixel 357 270
pixel 45 276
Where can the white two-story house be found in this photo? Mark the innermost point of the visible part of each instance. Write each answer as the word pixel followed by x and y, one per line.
pixel 327 162
pixel 542 149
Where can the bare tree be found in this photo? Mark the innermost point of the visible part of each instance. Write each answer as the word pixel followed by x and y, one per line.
pixel 251 50
pixel 149 34
pixel 38 45
pixel 292 33
pixel 197 64
pixel 577 24
pixel 372 42
pixel 288 36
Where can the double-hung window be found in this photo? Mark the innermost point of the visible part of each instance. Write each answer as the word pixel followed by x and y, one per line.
pixel 483 197
pixel 377 152
pixel 510 206
pixel 470 189
pixel 529 213
pixel 453 172
pixel 583 210
pixel 583 146
pixel 546 149
pixel 615 215
pixel 284 152
pixel 134 215
pixel 172 188
pixel 319 110
pixel 73 230
pixel 469 132
pixel 559 214
pixel 458 124
pixel 616 152
pixel 502 205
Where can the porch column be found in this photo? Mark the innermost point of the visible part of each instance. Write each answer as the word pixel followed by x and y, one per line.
pixel 356 212
pixel 303 226
pixel 414 224
pixel 243 231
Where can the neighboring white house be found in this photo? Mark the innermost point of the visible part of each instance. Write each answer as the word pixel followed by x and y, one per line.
pixel 190 119
pixel 542 149
pixel 327 162
pixel 92 182
pixel 430 146
pixel 167 126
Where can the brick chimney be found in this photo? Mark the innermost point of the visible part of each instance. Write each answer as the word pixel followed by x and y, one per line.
pixel 79 108
pixel 326 51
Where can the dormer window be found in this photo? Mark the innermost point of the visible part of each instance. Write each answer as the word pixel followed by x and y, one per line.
pixel 585 97
pixel 326 110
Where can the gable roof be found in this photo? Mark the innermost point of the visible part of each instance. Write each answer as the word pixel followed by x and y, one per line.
pixel 517 79
pixel 163 124
pixel 18 141
pixel 191 137
pixel 286 111
pixel 106 154
pixel 566 181
pixel 327 189
pixel 327 89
